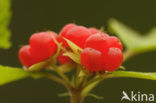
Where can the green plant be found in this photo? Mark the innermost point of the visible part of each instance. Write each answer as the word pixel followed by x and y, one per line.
pixel 79 86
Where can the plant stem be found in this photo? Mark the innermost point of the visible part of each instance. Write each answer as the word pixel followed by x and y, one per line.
pixel 98 78
pixel 77 76
pixel 63 76
pixel 76 97
pixel 57 79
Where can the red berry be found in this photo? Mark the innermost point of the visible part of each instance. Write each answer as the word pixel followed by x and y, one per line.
pixel 78 35
pixel 98 42
pixel 61 40
pixel 91 59
pixel 66 28
pixel 113 41
pixel 26 57
pixel 93 30
pixel 112 59
pixel 63 32
pixel 43 45
pixel 63 59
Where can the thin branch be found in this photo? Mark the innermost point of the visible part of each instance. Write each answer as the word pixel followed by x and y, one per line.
pixel 62 75
pixel 57 79
pixel 95 96
pixel 78 69
pixel 98 78
pixel 64 94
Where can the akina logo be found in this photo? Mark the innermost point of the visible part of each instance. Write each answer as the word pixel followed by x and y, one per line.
pixel 137 96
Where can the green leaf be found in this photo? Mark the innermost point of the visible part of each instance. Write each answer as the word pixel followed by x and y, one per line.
pixel 10 74
pixel 39 66
pixel 132 39
pixel 131 74
pixel 74 57
pixel 5 15
pixel 73 46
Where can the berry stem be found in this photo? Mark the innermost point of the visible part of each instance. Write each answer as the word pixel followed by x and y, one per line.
pixel 63 76
pixel 76 96
pixel 57 79
pixel 93 82
pixel 77 76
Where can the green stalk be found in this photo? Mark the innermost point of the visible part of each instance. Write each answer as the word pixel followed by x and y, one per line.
pixel 57 79
pixel 62 75
pixel 76 96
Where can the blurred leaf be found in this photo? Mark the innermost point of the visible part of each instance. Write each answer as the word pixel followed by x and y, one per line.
pixel 122 67
pixel 66 67
pixel 74 57
pixel 39 66
pixel 132 39
pixel 84 73
pixel 74 47
pixel 5 15
pixel 10 74
pixel 131 74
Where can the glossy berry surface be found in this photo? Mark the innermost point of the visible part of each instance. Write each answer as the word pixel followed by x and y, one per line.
pixel 63 59
pixel 112 59
pixel 43 45
pixel 78 35
pixel 66 28
pixel 98 42
pixel 113 41
pixel 26 57
pixel 63 32
pixel 91 59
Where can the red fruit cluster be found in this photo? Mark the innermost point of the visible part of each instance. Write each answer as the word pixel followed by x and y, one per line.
pixel 41 47
pixel 77 34
pixel 102 52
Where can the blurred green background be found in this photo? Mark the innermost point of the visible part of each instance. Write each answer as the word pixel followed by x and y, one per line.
pixel 31 16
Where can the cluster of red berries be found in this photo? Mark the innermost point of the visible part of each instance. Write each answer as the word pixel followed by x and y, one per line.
pixel 42 46
pixel 100 51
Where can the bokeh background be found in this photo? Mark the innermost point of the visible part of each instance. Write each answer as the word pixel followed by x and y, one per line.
pixel 31 16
